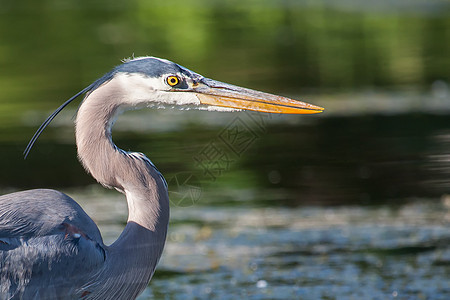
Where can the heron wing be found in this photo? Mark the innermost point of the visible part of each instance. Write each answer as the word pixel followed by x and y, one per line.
pixel 48 245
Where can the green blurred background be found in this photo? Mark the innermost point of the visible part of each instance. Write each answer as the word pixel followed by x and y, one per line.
pixel 381 69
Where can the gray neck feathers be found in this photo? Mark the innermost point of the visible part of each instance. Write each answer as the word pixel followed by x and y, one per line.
pixel 131 174
pixel 140 244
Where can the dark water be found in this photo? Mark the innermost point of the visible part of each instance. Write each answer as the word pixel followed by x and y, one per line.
pixel 314 160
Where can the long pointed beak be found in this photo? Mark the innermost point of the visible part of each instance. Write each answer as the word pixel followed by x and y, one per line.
pixel 216 93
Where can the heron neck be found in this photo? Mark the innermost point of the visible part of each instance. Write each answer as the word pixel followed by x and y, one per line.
pixel 130 174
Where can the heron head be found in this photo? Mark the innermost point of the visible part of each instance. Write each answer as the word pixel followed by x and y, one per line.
pixel 151 81
pixel 158 82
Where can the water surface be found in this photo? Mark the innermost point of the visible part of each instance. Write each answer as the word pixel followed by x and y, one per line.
pixel 307 252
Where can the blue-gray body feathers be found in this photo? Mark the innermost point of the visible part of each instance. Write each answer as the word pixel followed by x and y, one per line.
pixel 49 247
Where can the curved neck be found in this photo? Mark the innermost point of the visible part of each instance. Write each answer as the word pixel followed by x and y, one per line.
pixel 131 174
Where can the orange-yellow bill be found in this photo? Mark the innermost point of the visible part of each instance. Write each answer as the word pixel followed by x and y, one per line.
pixel 216 93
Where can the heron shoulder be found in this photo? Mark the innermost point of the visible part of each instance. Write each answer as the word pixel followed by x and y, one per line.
pixel 41 212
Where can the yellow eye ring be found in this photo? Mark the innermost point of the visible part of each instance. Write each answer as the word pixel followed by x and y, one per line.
pixel 173 80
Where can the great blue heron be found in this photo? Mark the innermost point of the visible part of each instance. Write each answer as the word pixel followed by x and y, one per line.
pixel 50 248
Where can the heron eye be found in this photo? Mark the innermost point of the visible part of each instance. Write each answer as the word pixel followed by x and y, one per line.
pixel 173 80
